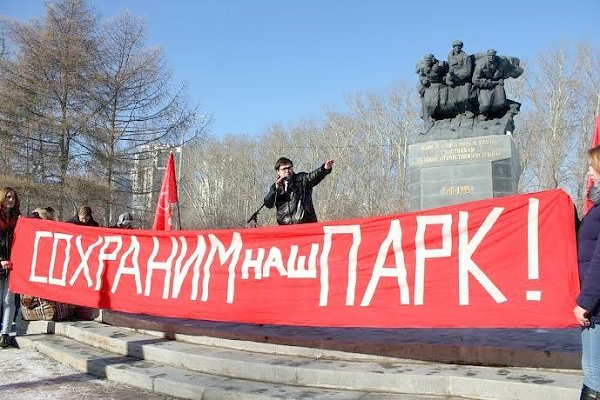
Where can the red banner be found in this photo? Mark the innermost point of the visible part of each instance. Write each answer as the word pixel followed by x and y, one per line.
pixel 505 262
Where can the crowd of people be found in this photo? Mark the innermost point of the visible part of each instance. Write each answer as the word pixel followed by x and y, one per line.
pixel 31 307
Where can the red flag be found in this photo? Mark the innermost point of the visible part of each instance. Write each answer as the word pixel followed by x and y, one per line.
pixel 587 204
pixel 163 219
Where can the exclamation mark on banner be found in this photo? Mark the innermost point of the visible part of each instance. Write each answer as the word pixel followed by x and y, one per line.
pixel 533 264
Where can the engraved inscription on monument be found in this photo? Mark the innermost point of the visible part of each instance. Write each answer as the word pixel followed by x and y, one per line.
pixel 444 172
pixel 460 150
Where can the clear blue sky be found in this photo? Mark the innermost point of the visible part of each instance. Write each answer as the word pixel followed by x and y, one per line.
pixel 257 62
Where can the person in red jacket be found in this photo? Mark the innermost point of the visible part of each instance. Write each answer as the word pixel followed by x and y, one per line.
pixel 9 213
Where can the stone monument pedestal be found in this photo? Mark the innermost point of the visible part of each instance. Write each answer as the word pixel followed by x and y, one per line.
pixel 446 172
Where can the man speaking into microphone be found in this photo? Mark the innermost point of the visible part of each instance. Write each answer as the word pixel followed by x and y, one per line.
pixel 291 193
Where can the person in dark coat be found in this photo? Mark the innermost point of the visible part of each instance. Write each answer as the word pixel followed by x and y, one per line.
pixel 587 311
pixel 291 193
pixel 83 217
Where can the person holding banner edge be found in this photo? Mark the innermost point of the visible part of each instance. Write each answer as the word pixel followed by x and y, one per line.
pixel 9 213
pixel 587 311
pixel 291 193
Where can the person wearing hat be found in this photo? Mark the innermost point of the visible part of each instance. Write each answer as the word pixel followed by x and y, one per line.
pixel 431 73
pixel 43 213
pixel 488 77
pixel 125 221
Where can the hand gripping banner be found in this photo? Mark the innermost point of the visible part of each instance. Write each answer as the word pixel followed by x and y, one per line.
pixel 504 262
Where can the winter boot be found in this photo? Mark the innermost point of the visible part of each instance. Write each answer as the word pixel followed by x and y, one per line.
pixel 4 341
pixel 586 393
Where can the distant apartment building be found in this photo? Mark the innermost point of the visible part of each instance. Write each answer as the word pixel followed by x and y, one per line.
pixel 146 178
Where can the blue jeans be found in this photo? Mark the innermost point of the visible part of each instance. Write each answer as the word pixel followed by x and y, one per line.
pixel 590 356
pixel 8 306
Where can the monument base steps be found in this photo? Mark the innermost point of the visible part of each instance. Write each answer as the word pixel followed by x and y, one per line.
pixel 212 368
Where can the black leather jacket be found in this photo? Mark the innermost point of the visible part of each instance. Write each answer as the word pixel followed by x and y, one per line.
pixel 6 238
pixel 75 220
pixel 294 203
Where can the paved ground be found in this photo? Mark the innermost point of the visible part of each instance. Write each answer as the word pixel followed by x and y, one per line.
pixel 28 375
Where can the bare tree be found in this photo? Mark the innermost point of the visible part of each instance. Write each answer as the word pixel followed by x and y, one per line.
pixel 137 106
pixel 223 183
pixel 47 88
pixel 81 101
pixel 560 104
pixel 2 41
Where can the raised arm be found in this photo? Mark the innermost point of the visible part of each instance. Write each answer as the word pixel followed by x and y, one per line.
pixel 315 177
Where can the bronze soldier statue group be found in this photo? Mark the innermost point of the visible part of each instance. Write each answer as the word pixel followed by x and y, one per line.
pixel 471 85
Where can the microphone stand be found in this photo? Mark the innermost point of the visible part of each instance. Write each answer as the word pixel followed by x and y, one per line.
pixel 254 217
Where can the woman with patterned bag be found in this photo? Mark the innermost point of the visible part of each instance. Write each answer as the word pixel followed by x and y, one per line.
pixel 36 308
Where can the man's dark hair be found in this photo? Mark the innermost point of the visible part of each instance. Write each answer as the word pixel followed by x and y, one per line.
pixel 85 211
pixel 283 161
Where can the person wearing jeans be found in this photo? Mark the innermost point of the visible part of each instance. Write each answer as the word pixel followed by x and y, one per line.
pixel 587 311
pixel 9 213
